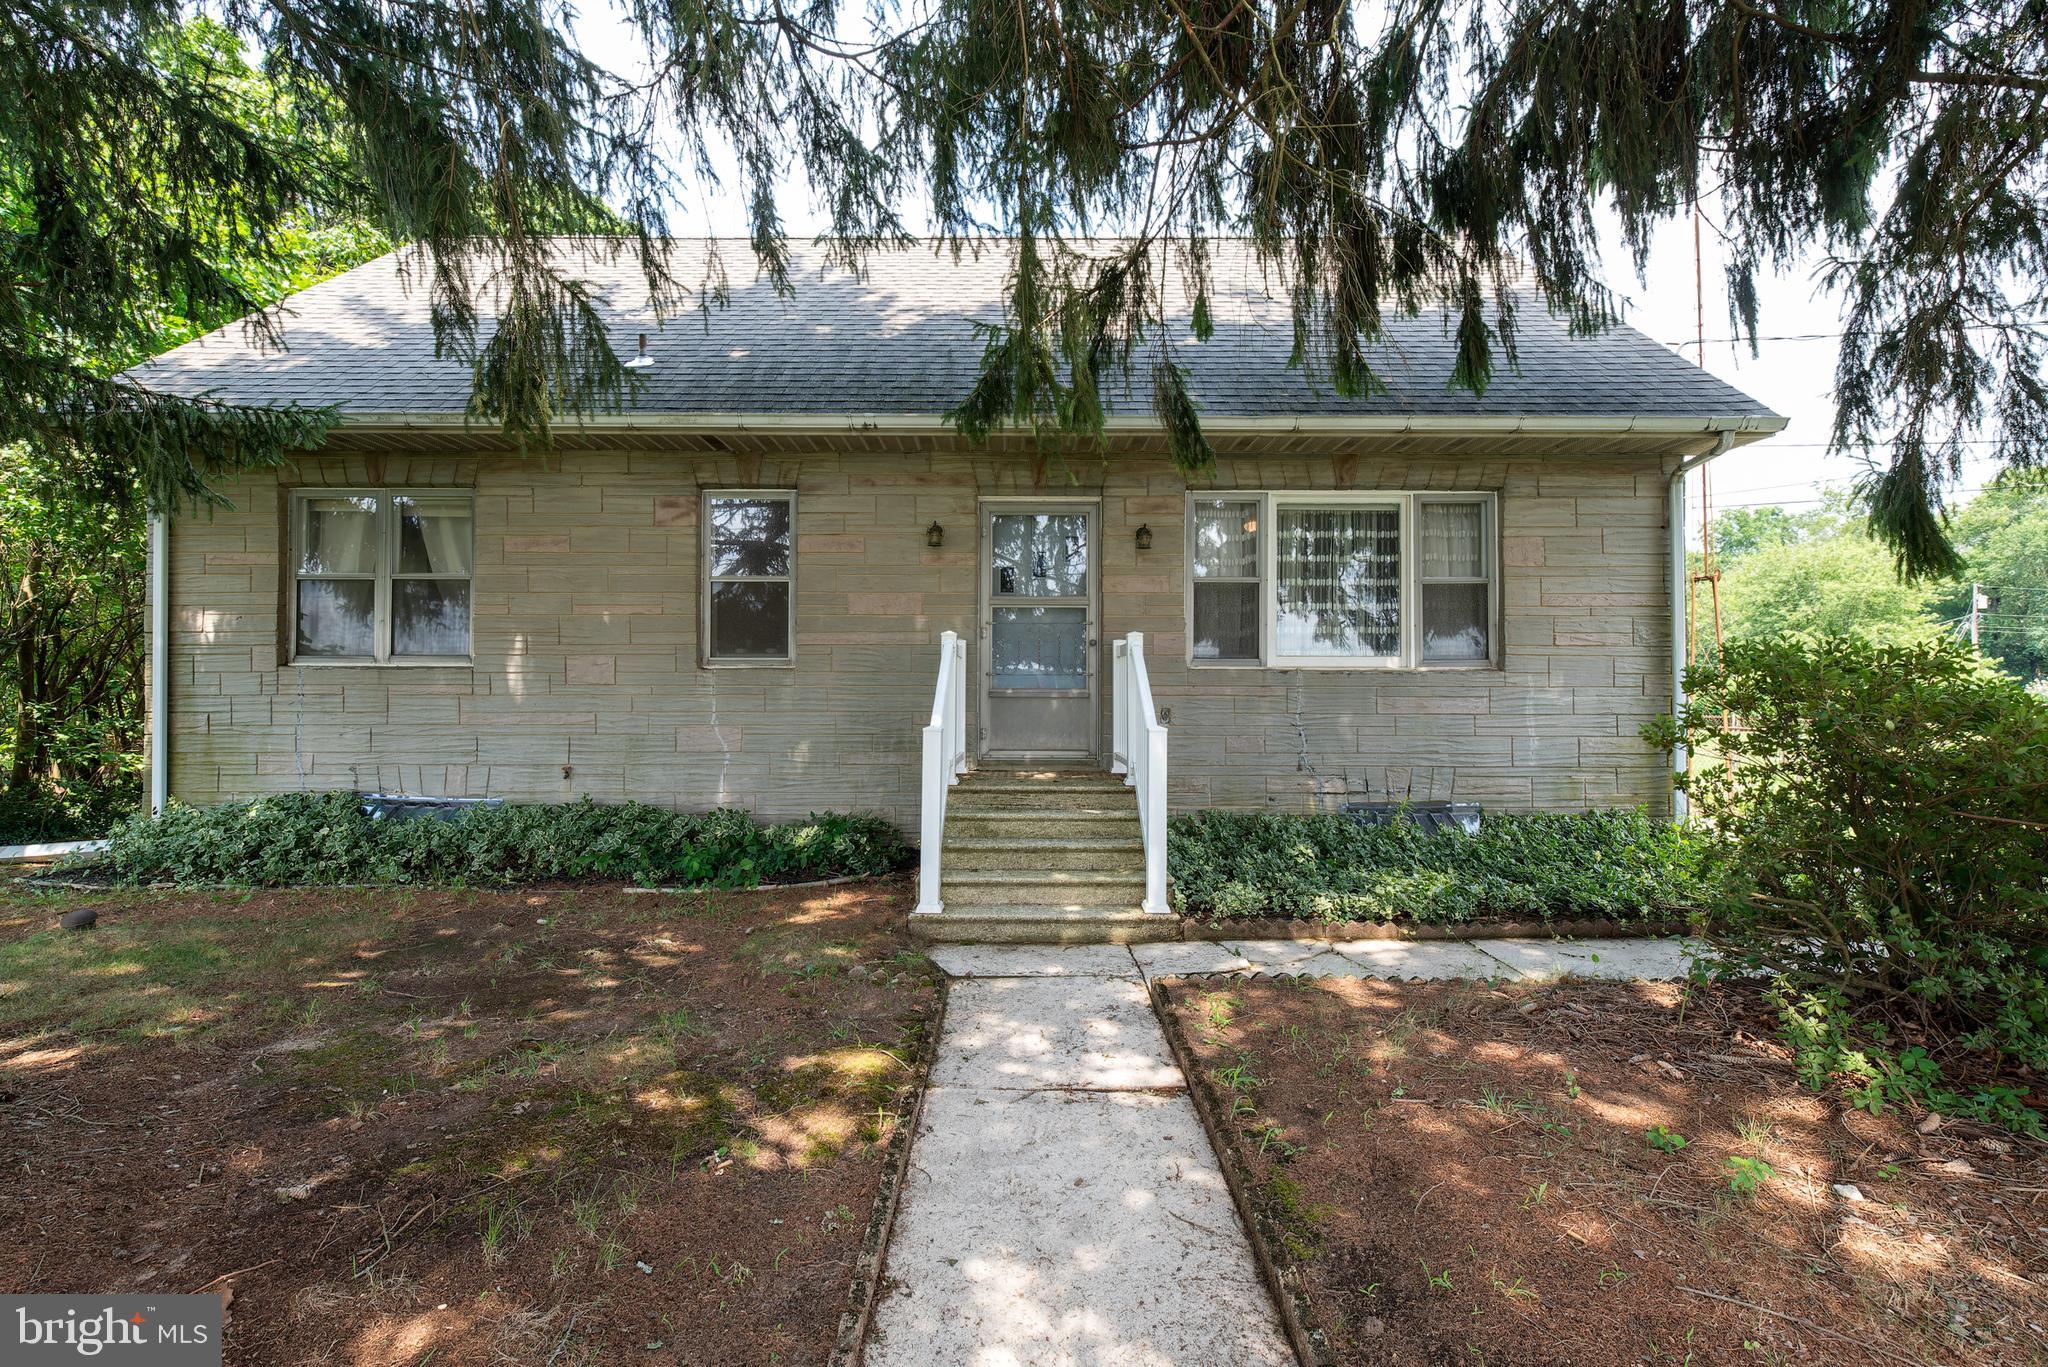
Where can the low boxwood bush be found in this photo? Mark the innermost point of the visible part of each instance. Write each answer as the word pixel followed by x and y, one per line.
pixel 1618 865
pixel 312 838
pixel 1880 851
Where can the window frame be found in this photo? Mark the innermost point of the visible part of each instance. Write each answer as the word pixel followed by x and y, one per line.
pixel 1262 536
pixel 708 581
pixel 381 577
pixel 1270 502
pixel 1489 576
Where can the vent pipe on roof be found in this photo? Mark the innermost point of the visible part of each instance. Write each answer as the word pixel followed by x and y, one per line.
pixel 1680 808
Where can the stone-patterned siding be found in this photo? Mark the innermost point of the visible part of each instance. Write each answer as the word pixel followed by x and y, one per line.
pixel 586 679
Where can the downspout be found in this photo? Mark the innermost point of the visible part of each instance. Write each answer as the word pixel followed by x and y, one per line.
pixel 159 662
pixel 1681 590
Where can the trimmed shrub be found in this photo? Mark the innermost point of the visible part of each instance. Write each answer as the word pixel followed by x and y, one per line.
pixel 1880 850
pixel 312 838
pixel 1618 865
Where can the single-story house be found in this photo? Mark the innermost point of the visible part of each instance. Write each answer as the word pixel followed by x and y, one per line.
pixel 734 592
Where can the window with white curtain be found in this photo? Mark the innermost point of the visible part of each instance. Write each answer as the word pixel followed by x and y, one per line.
pixel 381 576
pixel 1225 573
pixel 1457 583
pixel 1341 580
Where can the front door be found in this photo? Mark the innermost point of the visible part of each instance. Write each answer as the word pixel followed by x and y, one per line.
pixel 1038 615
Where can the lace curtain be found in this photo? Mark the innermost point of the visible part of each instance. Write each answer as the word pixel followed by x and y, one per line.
pixel 1456 621
pixel 1451 541
pixel 1339 581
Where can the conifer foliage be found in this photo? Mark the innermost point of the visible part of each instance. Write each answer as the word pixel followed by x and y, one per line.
pixel 1382 158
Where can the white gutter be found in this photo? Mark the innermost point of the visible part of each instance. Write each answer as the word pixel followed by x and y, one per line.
pixel 159 662
pixel 1754 426
pixel 1681 591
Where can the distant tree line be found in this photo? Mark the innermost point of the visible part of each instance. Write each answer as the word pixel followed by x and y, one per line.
pixel 1820 571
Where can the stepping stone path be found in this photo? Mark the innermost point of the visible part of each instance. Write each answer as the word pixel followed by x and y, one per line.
pixel 1063 1207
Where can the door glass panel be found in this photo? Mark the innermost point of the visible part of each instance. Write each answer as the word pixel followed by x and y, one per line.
pixel 1039 555
pixel 1038 647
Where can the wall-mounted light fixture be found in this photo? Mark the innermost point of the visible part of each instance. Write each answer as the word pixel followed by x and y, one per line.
pixel 1144 538
pixel 935 535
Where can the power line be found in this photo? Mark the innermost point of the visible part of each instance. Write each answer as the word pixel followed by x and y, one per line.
pixel 2022 324
pixel 1805 502
pixel 1816 445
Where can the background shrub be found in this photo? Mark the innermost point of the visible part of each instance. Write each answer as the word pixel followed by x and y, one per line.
pixel 1617 864
pixel 34 811
pixel 310 838
pixel 1880 848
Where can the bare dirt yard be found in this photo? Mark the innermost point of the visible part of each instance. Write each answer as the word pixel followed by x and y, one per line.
pixel 1601 1174
pixel 557 1125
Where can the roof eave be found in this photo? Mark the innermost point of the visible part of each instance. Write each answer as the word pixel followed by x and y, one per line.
pixel 1745 428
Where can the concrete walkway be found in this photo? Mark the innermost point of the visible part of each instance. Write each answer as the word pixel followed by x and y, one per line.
pixel 1063 1207
pixel 1537 960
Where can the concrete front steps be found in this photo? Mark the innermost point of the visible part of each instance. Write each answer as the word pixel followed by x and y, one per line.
pixel 1042 857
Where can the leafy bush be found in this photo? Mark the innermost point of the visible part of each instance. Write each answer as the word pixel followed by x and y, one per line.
pixel 304 838
pixel 1617 864
pixel 34 812
pixel 1880 849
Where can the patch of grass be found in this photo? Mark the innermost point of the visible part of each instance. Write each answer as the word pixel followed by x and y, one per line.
pixel 135 976
pixel 501 1224
pixel 1754 1131
pixel 793 951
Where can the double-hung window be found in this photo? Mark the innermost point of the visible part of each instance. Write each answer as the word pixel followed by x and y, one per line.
pixel 749 576
pixel 1224 572
pixel 1341 580
pixel 381 576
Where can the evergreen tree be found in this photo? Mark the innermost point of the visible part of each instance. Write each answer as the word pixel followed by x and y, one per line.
pixel 1381 162
pixel 72 567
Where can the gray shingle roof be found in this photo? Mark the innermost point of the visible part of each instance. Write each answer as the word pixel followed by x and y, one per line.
pixel 901 341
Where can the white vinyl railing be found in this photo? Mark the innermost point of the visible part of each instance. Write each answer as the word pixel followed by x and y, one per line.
pixel 1138 752
pixel 945 759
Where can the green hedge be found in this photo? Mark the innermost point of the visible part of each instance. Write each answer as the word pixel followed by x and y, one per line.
pixel 1617 865
pixel 313 838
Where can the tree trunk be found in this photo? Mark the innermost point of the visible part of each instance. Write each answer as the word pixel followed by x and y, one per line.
pixel 27 730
